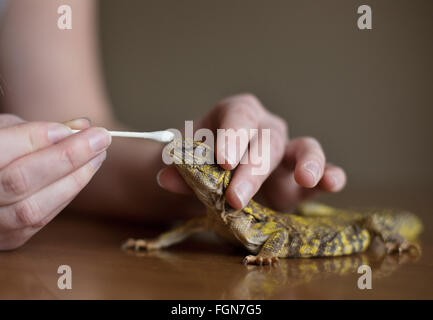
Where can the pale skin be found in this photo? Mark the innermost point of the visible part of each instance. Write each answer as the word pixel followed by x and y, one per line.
pixel 43 166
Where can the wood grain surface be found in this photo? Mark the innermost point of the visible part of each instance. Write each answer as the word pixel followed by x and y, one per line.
pixel 205 268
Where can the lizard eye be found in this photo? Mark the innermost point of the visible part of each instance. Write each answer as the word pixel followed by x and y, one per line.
pixel 254 219
pixel 203 155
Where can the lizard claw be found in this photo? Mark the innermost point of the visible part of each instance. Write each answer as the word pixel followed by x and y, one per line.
pixel 402 246
pixel 136 244
pixel 261 260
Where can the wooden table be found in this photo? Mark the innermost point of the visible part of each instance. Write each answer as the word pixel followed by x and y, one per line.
pixel 203 268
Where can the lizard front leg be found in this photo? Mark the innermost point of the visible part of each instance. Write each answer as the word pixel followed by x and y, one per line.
pixel 168 238
pixel 270 250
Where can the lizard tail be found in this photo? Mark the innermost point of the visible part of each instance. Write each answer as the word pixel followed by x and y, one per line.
pixel 405 223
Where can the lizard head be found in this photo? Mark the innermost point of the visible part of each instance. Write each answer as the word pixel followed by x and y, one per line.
pixel 195 161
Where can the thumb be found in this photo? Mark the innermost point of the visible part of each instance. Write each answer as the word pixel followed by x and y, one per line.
pixel 170 179
pixel 78 123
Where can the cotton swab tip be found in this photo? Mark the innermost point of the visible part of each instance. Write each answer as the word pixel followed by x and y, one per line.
pixel 163 136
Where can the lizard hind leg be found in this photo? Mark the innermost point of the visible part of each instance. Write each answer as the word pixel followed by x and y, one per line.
pixel 385 227
pixel 169 238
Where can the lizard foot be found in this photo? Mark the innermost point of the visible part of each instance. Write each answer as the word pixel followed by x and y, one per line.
pixel 401 245
pixel 261 260
pixel 138 245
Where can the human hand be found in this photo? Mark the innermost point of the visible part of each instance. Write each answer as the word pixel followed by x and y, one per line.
pixel 298 167
pixel 42 168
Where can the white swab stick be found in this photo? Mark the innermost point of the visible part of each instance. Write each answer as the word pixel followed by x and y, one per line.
pixel 161 136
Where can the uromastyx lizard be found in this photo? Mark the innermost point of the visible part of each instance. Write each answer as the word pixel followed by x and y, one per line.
pixel 312 230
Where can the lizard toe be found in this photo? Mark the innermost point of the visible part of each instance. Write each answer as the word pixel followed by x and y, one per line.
pixel 128 244
pixel 135 244
pixel 410 247
pixel 390 247
pixel 261 260
pixel 401 245
pixel 249 260
pixel 275 261
pixel 140 244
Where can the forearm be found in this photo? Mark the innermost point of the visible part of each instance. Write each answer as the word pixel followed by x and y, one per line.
pixel 55 75
pixel 51 74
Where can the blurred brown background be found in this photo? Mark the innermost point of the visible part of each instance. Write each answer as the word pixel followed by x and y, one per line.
pixel 366 95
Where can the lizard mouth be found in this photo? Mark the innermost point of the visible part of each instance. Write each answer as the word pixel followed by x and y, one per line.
pixel 194 161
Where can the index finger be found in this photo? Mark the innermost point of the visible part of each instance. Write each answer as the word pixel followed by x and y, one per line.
pixel 30 173
pixel 25 138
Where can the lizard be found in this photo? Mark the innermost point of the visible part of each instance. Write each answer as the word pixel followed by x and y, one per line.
pixel 311 230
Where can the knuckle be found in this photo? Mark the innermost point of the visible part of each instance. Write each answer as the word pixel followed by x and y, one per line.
pixel 277 144
pixel 80 178
pixel 14 181
pixel 241 108
pixel 27 213
pixel 71 153
pixel 40 134
pixel 68 157
pixel 7 118
pixel 310 142
pixel 222 107
pixel 280 125
pixel 247 113
pixel 37 135
pixel 41 222
pixel 242 98
pixel 250 99
pixel 13 241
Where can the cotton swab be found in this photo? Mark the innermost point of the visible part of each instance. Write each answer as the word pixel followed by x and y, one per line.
pixel 160 136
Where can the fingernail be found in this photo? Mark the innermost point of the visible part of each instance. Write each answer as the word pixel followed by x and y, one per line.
pixel 243 192
pixel 58 132
pixel 335 182
pixel 226 158
pixel 97 161
pixel 231 155
pixel 78 122
pixel 158 178
pixel 313 168
pixel 99 139
pixel 229 161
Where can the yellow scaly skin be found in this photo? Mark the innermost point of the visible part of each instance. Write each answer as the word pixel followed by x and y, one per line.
pixel 313 230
